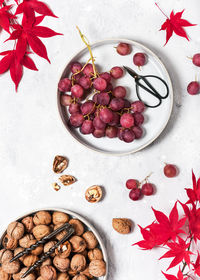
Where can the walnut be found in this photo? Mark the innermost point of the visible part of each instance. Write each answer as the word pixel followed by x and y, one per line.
pixel 95 254
pixel 4 275
pixel 78 244
pixel 60 235
pixel 67 180
pixel 63 276
pixel 122 226
pixel 42 218
pixel 37 251
pixel 78 226
pixel 64 250
pixel 11 267
pixel 60 218
pixel 80 277
pixel 94 194
pixel 28 223
pixel 86 273
pixel 18 276
pixel 9 242
pixel 48 246
pixel 60 164
pixel 48 272
pixel 97 268
pixel 90 239
pixel 29 260
pixel 15 230
pixel 24 241
pixel 61 264
pixel 47 262
pixel 17 251
pixel 78 263
pixel 5 255
pixel 41 231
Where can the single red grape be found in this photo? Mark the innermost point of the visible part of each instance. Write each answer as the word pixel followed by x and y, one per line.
pixel 65 99
pixel 103 98
pixel 87 127
pixel 127 120
pixel 138 118
pixel 109 87
pixel 137 131
pixel 123 49
pixel 76 119
pixel 106 115
pixel 140 59
pixel 75 67
pixel 94 98
pixel 74 108
pixel 77 91
pixel 98 133
pixel 132 184
pixel 135 194
pixel 119 92
pixel 193 88
pixel 116 72
pixel 65 85
pixel 115 121
pixel 106 76
pixel 111 131
pixel 147 189
pixel 98 124
pixel 196 59
pixel 88 107
pixel 170 170
pixel 99 84
pixel 120 133
pixel 138 106
pixel 128 136
pixel 116 104
pixel 88 70
pixel 85 82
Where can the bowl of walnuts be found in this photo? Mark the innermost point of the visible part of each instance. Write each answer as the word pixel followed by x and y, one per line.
pixel 82 257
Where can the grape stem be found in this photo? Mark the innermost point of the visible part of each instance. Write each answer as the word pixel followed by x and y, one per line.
pixel 145 179
pixel 86 42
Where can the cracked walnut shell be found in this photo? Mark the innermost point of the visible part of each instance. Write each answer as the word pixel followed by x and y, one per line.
pixel 93 194
pixel 60 164
pixel 67 180
pixel 64 250
pixel 97 268
pixel 122 225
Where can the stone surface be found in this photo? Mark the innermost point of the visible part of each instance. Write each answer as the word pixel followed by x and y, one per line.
pixel 32 133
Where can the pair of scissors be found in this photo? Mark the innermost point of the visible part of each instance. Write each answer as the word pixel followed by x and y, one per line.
pixel 148 87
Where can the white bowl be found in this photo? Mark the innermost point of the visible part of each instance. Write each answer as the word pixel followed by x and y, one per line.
pixel 83 220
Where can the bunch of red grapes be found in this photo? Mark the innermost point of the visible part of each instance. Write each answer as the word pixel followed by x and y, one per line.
pixel 108 112
pixel 194 87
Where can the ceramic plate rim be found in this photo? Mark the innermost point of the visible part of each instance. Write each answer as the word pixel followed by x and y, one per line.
pixel 164 124
pixel 81 218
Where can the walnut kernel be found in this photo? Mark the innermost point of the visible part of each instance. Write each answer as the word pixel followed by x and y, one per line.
pixel 60 164
pixel 94 194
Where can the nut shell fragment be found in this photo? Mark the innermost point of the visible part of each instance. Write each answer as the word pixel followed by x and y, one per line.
pixel 122 226
pixel 60 164
pixel 93 194
pixel 67 180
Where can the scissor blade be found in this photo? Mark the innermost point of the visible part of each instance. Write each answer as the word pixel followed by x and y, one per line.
pixel 131 72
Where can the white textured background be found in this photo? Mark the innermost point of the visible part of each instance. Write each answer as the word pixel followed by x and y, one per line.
pixel 32 133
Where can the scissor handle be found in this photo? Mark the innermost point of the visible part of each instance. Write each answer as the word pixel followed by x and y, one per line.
pixel 150 89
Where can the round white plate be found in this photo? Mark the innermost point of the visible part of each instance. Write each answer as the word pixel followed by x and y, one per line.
pixel 155 118
pixel 75 216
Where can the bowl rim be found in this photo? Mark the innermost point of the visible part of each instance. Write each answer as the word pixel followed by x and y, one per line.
pixel 78 216
pixel 164 124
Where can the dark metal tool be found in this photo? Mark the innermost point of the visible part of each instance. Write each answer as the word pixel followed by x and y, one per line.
pixel 143 82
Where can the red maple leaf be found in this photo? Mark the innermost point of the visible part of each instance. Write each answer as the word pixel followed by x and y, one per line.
pixel 170 227
pixel 5 17
pixel 28 6
pixel 175 24
pixel 10 61
pixel 194 194
pixel 180 276
pixel 196 265
pixel 179 251
pixel 28 33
